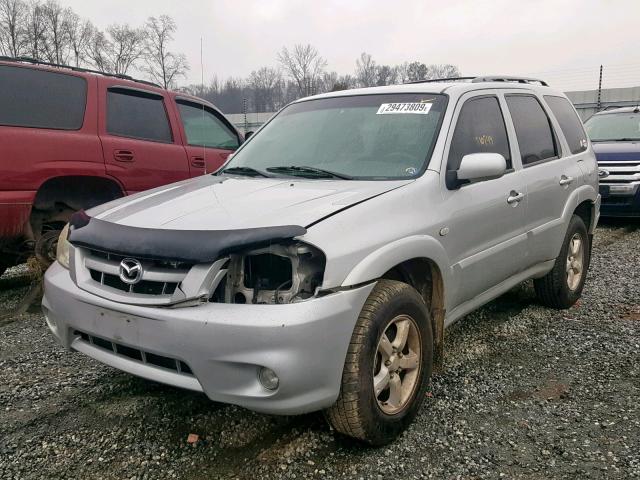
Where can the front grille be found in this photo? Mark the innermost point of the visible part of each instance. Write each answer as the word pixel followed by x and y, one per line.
pixel 620 172
pixel 159 277
pixel 144 287
pixel 141 356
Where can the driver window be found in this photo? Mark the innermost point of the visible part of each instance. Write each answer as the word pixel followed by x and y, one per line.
pixel 480 129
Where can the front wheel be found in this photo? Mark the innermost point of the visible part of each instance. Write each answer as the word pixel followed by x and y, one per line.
pixel 388 366
pixel 562 286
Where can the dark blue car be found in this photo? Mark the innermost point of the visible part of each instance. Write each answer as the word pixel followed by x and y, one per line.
pixel 615 135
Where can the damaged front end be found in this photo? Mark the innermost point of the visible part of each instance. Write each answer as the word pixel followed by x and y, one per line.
pixel 187 268
pixel 277 274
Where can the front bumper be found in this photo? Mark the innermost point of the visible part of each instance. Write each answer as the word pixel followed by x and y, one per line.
pixel 223 345
pixel 615 204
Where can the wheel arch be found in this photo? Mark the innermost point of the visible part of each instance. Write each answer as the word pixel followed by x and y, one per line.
pixel 59 196
pixel 421 262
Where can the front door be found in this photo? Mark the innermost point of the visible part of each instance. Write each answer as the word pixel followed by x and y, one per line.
pixel 486 239
pixel 209 138
pixel 139 146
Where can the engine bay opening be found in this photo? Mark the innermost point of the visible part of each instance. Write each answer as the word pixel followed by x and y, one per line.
pixel 276 274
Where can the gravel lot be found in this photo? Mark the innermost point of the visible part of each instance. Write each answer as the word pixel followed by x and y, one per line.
pixel 527 392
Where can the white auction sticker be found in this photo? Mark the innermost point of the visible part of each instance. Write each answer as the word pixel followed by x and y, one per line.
pixel 416 108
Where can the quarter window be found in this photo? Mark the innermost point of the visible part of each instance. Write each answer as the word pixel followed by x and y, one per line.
pixel 533 129
pixel 204 129
pixel 41 99
pixel 480 129
pixel 569 123
pixel 135 114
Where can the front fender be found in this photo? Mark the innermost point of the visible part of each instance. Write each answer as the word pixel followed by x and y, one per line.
pixel 388 256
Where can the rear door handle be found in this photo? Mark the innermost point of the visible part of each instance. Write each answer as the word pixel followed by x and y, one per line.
pixel 564 180
pixel 197 162
pixel 515 198
pixel 123 155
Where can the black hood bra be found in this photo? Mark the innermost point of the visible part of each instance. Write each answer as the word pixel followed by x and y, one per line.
pixel 192 246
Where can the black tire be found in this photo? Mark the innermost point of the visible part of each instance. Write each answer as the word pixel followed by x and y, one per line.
pixel 553 289
pixel 356 412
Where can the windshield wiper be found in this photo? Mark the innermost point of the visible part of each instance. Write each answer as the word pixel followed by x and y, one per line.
pixel 624 139
pixel 252 172
pixel 308 172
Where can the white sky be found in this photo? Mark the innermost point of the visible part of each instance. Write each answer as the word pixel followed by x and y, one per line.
pixel 563 41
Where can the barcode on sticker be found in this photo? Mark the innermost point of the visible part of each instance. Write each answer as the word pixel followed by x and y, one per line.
pixel 390 108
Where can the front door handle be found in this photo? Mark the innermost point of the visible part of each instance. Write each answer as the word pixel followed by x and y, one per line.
pixel 197 162
pixel 564 180
pixel 123 155
pixel 515 198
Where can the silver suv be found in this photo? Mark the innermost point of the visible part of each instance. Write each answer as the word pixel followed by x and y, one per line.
pixel 318 269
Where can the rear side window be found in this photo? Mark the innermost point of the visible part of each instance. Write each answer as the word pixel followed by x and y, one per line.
pixel 569 123
pixel 480 129
pixel 204 129
pixel 135 114
pixel 41 99
pixel 533 129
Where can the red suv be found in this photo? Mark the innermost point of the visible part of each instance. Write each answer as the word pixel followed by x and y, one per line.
pixel 73 138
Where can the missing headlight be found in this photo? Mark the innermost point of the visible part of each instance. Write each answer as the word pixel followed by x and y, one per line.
pixel 271 275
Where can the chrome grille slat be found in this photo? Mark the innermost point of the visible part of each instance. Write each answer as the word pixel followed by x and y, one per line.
pixel 620 172
pixel 162 283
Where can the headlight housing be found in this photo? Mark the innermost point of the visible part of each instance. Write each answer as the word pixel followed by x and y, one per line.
pixel 277 274
pixel 62 249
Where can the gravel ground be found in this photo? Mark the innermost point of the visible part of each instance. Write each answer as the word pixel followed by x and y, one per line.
pixel 527 393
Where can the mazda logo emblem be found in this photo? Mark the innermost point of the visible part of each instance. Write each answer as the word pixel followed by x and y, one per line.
pixel 130 271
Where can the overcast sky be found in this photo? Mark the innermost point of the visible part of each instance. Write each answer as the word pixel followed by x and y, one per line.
pixel 562 40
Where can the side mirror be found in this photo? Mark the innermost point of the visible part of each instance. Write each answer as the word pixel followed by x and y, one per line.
pixel 481 166
pixel 248 134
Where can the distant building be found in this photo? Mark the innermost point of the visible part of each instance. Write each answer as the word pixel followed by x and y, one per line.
pixel 586 102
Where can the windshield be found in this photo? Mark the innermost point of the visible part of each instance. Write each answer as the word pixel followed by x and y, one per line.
pixel 614 126
pixel 359 137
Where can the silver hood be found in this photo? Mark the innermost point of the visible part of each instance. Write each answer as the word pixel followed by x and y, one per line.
pixel 226 203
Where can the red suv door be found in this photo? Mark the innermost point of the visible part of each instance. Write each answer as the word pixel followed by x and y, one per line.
pixel 139 141
pixel 209 137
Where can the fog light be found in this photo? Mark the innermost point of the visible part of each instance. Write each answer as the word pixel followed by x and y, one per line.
pixel 268 378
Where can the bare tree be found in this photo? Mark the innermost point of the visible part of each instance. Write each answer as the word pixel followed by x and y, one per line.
pixel 416 71
pixel 366 70
pixel 79 35
pixel 386 75
pixel 121 50
pixel 304 65
pixel 98 51
pixel 35 30
pixel 13 14
pixel 266 84
pixel 163 66
pixel 56 21
pixel 442 71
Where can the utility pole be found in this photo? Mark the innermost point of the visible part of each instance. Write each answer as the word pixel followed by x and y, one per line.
pixel 599 91
pixel 244 111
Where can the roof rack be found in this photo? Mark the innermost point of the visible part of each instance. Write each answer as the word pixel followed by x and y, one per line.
pixel 35 61
pixel 486 78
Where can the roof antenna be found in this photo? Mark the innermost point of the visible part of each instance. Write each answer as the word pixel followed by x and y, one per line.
pixel 204 151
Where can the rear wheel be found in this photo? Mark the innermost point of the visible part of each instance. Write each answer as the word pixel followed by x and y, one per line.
pixel 388 366
pixel 562 286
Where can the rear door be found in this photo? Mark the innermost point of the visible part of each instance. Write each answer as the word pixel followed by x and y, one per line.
pixel 209 138
pixel 138 140
pixel 485 232
pixel 550 171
